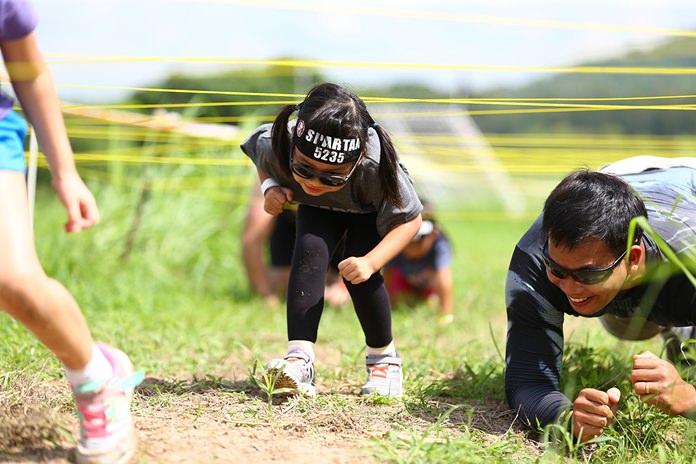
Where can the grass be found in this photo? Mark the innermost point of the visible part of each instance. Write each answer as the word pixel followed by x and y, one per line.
pixel 178 304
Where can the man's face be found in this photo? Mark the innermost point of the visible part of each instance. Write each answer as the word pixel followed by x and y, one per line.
pixel 587 299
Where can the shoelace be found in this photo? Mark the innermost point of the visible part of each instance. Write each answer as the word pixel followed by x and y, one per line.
pixel 379 370
pixel 92 409
pixel 302 364
pixel 93 406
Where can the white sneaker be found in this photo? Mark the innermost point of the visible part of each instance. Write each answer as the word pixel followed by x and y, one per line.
pixel 295 372
pixel 384 375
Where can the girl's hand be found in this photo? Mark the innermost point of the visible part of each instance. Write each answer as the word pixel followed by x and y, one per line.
pixel 275 198
pixel 657 382
pixel 356 270
pixel 78 202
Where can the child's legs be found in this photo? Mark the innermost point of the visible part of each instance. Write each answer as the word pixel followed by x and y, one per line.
pixel 370 298
pixel 42 304
pixel 318 232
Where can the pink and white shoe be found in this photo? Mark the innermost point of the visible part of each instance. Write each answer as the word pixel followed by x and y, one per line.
pixel 107 434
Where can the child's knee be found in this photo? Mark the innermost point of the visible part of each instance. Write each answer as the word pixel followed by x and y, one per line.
pixel 313 248
pixel 19 292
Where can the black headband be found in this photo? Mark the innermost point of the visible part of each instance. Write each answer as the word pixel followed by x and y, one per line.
pixel 325 148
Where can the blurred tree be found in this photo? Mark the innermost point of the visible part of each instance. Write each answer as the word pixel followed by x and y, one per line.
pixel 268 80
pixel 674 53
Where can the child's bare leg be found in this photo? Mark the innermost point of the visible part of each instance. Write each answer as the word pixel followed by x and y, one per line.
pixel 42 304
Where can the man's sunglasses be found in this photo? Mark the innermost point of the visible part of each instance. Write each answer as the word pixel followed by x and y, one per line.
pixel 583 276
pixel 305 172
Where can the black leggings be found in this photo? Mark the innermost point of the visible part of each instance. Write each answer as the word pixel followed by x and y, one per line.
pixel 318 233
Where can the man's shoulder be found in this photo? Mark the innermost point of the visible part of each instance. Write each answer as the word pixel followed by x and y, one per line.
pixel 527 286
pixel 532 241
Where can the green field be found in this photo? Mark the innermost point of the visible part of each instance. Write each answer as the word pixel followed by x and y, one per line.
pixel 161 278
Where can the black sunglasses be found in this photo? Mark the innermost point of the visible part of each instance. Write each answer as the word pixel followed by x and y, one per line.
pixel 583 276
pixel 305 172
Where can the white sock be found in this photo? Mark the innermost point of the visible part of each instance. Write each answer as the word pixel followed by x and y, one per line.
pixel 98 369
pixel 390 349
pixel 305 346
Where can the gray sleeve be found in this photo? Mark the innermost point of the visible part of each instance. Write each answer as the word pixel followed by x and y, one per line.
pixel 258 148
pixel 370 191
pixel 390 215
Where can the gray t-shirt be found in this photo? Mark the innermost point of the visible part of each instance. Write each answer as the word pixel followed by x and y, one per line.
pixel 362 194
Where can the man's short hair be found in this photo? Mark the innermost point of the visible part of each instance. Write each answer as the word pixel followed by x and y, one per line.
pixel 591 204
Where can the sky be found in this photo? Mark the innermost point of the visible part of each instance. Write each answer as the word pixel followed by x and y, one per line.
pixel 447 43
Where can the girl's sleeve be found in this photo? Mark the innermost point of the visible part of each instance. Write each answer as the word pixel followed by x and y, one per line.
pixel 18 19
pixel 390 215
pixel 258 145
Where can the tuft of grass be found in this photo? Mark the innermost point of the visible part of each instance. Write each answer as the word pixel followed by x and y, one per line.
pixel 267 384
pixel 640 433
pixel 437 443
pixel 34 416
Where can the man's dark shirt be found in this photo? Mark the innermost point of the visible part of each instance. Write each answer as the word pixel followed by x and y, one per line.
pixel 536 308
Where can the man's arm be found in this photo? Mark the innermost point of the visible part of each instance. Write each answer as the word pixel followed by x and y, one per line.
pixel 534 356
pixel 534 349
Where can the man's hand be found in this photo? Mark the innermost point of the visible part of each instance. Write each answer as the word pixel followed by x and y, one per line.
pixel 657 382
pixel 275 198
pixel 593 411
pixel 356 270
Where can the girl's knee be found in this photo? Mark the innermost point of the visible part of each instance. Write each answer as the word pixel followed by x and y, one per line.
pixel 313 243
pixel 19 290
pixel 311 251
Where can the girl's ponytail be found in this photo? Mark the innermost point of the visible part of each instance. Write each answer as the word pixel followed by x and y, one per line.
pixel 388 167
pixel 280 140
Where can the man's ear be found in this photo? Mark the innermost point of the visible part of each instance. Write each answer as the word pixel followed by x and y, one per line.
pixel 635 256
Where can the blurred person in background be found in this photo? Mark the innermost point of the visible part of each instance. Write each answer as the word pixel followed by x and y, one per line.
pixel 423 269
pixel 576 260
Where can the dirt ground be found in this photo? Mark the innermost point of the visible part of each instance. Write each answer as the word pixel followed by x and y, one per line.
pixel 213 421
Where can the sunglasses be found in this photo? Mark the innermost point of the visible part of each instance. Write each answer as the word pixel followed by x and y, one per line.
pixel 583 276
pixel 305 172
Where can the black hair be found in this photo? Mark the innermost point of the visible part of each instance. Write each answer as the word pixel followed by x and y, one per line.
pixel 591 204
pixel 335 111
